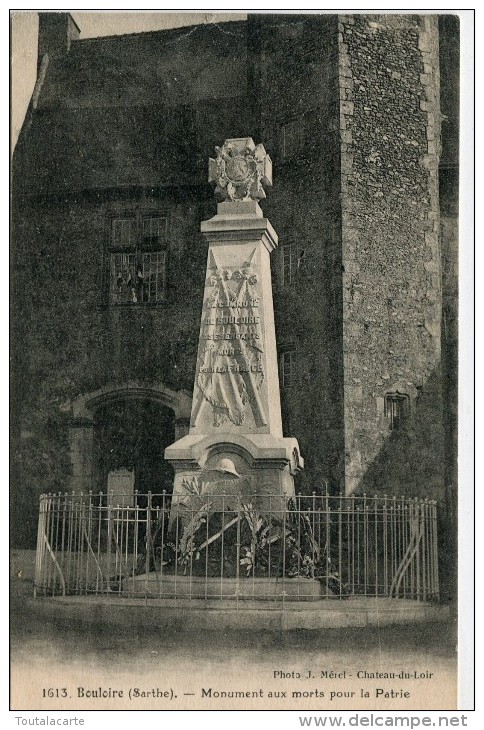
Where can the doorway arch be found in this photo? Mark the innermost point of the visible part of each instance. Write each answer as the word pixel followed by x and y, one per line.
pixel 127 427
pixel 131 434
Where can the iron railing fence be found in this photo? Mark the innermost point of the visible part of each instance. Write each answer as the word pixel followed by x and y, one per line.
pixel 219 546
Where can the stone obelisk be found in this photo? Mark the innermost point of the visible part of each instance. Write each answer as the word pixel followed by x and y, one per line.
pixel 235 440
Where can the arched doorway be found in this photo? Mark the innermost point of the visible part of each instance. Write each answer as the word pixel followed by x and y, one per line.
pixel 126 426
pixel 131 433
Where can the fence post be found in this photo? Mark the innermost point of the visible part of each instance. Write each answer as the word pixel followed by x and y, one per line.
pixel 376 548
pixel 436 584
pixel 39 553
pixel 418 541
pixel 285 525
pixel 99 573
pixel 162 551
pixel 385 545
pixel 110 537
pixel 237 559
pixel 365 544
pixel 328 541
pixel 148 541
pixel 351 546
pixel 340 544
pixel 425 545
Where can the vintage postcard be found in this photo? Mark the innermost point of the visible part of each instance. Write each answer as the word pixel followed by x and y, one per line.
pixel 235 338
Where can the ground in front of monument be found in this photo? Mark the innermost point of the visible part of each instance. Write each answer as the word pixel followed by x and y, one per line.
pixel 86 666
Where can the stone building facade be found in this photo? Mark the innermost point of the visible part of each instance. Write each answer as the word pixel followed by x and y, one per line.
pixel 109 188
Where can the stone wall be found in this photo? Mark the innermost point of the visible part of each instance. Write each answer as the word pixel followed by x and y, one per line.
pixel 134 110
pixel 69 327
pixel 120 126
pixel 347 107
pixel 390 135
pixel 449 32
pixel 298 76
pixel 67 340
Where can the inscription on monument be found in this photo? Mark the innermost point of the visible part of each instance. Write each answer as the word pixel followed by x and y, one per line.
pixel 230 367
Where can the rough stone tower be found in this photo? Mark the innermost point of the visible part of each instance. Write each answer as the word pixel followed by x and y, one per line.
pixel 391 258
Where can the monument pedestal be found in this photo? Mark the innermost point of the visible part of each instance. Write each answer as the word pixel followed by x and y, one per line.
pixel 235 441
pixel 265 465
pixel 155 585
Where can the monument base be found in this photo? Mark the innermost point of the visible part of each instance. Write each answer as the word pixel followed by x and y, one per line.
pixel 186 586
pixel 261 466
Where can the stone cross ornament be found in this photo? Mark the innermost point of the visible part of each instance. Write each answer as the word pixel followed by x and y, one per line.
pixel 240 170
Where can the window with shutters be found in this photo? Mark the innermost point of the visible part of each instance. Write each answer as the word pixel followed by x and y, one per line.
pixel 137 260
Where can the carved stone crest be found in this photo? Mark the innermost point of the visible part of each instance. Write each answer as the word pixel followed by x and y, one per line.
pixel 240 170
